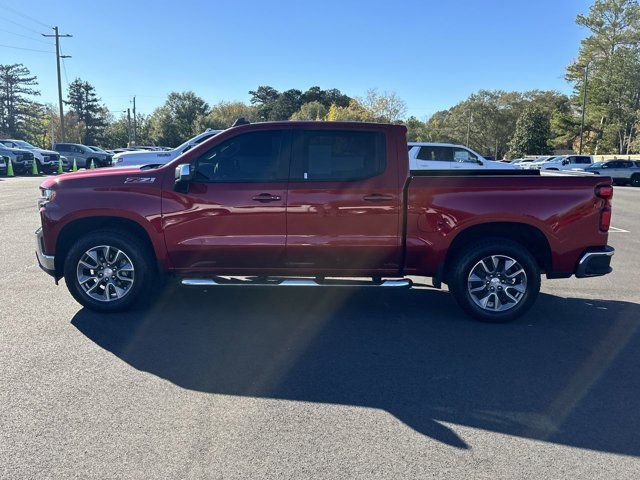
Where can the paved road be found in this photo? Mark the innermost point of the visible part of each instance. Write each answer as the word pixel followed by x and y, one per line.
pixel 317 384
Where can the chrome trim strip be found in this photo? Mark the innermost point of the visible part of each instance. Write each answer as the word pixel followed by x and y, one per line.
pixel 295 282
pixel 606 253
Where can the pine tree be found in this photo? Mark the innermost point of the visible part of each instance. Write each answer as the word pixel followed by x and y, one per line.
pixel 532 134
pixel 15 105
pixel 85 105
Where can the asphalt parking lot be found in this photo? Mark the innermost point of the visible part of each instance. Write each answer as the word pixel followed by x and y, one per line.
pixel 268 383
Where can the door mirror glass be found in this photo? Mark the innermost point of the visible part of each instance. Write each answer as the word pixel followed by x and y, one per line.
pixel 565 161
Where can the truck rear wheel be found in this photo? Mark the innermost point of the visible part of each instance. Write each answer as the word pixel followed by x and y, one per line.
pixel 109 271
pixel 495 281
pixel 635 180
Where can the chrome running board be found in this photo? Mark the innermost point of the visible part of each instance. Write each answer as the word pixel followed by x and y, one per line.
pixel 292 282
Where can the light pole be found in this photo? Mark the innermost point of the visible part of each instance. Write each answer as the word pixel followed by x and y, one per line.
pixel 584 103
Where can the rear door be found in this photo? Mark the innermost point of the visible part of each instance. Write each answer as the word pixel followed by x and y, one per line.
pixel 233 218
pixel 344 201
pixel 434 157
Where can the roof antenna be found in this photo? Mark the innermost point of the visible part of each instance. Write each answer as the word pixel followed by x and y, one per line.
pixel 240 121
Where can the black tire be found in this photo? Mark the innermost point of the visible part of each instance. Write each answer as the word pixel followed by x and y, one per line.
pixel 635 180
pixel 466 259
pixel 146 274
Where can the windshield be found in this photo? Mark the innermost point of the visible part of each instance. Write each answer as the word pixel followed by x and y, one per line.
pixel 597 165
pixel 23 144
pixel 97 149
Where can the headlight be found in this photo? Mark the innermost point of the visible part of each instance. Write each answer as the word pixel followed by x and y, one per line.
pixel 46 195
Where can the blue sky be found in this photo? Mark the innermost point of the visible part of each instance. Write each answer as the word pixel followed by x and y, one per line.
pixel 432 53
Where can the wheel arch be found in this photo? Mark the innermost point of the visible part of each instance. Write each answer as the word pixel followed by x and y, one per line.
pixel 76 228
pixel 529 236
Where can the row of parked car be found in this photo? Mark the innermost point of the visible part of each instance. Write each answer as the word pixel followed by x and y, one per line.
pixel 621 171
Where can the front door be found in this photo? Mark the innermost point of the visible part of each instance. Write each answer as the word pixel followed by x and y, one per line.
pixel 233 216
pixel 344 201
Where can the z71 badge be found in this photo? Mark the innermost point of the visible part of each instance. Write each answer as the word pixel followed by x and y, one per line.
pixel 140 180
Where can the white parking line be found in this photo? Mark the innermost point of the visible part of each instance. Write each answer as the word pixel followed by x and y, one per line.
pixel 617 230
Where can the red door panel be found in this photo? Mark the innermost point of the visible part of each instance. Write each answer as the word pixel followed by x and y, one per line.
pixel 233 217
pixel 221 226
pixel 339 225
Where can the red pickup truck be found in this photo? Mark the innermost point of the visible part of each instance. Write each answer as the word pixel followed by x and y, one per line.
pixel 320 204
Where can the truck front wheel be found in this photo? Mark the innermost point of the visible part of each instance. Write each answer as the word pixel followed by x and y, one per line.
pixel 496 280
pixel 109 271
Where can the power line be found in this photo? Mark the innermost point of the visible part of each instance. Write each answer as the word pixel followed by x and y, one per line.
pixel 24 15
pixel 24 36
pixel 24 48
pixel 21 25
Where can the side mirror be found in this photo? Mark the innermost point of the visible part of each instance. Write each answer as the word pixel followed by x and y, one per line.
pixel 479 162
pixel 183 177
pixel 565 162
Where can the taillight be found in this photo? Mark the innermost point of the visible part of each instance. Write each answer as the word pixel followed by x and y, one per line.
pixel 606 193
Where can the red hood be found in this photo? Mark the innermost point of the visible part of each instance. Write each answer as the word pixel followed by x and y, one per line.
pixel 100 174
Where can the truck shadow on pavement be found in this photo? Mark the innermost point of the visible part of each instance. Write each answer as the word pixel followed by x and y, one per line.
pixel 566 373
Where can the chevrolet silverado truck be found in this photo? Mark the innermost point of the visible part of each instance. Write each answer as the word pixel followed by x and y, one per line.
pixel 320 204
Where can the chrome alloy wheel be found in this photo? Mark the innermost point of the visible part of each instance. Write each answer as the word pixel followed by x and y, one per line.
pixel 497 283
pixel 105 273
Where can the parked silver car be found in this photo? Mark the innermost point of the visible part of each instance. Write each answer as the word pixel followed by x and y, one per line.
pixel 21 159
pixel 83 155
pixel 47 160
pixel 621 171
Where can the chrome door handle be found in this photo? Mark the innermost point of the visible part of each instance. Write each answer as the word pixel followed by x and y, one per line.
pixel 266 197
pixel 377 197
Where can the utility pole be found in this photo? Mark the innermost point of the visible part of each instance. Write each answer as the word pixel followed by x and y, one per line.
pixel 134 120
pixel 584 103
pixel 128 127
pixel 58 57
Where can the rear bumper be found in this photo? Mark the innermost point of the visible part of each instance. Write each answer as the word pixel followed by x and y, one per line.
pixel 594 263
pixel 46 262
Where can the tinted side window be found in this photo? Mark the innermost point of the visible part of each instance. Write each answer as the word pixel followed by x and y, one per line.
pixel 438 154
pixel 582 160
pixel 61 147
pixel 325 155
pixel 249 157
pixel 613 164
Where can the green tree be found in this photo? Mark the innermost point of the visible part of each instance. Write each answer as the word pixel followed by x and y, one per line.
pixel 417 130
pixel 488 118
pixel 531 135
pixel 612 53
pixel 178 119
pixel 271 104
pixel 17 108
pixel 313 110
pixel 263 99
pixel 90 114
pixel 287 104
pixel 223 114
pixel 383 107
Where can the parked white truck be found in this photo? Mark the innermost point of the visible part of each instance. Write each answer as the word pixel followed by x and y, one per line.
pixel 445 156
